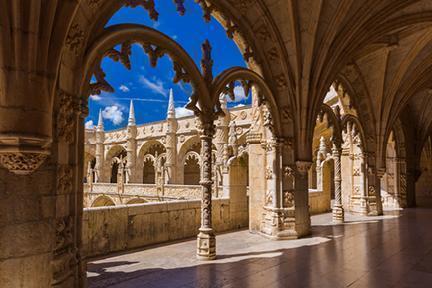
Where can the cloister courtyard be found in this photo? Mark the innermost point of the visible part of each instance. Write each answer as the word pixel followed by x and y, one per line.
pixel 229 143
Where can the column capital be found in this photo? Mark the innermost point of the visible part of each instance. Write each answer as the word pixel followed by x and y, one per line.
pixel 303 167
pixel 23 154
pixel 380 172
pixel 207 128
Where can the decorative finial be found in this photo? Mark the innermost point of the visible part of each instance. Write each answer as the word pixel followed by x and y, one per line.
pixel 100 126
pixel 131 120
pixel 207 61
pixel 171 107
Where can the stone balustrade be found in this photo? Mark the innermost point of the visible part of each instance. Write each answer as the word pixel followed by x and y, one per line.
pixel 147 192
pixel 118 228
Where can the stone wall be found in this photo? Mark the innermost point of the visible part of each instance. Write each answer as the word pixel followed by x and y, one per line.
pixel 318 202
pixel 424 183
pixel 119 228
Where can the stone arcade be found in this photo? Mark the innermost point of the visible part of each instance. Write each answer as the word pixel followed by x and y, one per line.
pixel 299 149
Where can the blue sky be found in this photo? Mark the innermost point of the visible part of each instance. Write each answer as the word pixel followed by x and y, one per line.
pixel 149 87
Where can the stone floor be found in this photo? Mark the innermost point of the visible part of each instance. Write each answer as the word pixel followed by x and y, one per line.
pixel 387 251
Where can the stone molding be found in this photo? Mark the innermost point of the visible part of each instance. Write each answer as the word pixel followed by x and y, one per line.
pixel 22 154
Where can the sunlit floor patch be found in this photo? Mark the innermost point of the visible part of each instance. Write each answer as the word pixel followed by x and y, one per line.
pixel 363 254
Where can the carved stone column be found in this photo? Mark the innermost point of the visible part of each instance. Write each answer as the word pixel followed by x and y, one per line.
pixel 373 184
pixel 301 198
pixel 221 136
pixel 67 263
pixel 272 216
pixel 338 211
pixel 401 179
pixel 131 149
pixel 206 242
pixel 257 185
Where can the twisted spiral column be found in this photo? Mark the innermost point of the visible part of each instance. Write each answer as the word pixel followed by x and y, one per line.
pixel 206 241
pixel 338 211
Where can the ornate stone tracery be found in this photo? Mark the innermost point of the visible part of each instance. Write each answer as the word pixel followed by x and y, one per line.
pixel 22 163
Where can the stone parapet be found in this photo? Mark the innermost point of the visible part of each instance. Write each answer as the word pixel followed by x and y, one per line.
pixel 118 228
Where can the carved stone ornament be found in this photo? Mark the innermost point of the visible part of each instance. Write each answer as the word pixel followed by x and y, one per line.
pixel 303 167
pixel 65 118
pixel 64 179
pixel 22 163
pixel 75 39
pixel 288 171
pixel 371 191
pixel 65 255
pixel 268 197
pixel 288 199
pixel 268 173
pixel 94 3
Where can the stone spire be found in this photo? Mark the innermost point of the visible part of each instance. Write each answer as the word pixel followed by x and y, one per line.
pixel 171 108
pixel 131 120
pixel 100 126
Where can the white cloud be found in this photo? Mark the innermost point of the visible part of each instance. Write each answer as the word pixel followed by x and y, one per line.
pixel 156 86
pixel 124 88
pixel 182 112
pixel 89 124
pixel 95 97
pixel 114 114
pixel 239 94
pixel 239 105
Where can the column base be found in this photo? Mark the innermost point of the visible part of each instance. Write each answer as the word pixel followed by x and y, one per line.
pixel 278 224
pixel 338 215
pixel 206 244
pixel 359 205
pixel 374 208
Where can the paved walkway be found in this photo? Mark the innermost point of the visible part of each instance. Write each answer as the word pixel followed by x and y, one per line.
pixel 387 251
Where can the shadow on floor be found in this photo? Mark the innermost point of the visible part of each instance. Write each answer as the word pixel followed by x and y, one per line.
pixel 306 266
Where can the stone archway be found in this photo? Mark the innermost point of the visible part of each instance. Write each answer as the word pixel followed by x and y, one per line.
pixel 102 201
pixel 148 156
pixel 354 193
pixel 85 27
pixel 149 172
pixel 191 168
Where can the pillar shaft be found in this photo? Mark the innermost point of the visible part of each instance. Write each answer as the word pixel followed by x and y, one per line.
pixel 131 155
pixel 373 180
pixel 338 211
pixel 171 154
pixel 206 242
